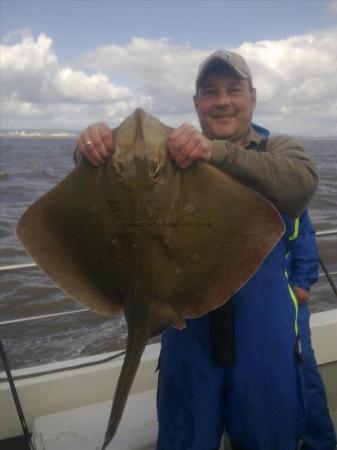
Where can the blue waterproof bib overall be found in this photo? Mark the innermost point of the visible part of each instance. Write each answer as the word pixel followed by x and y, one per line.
pixel 259 399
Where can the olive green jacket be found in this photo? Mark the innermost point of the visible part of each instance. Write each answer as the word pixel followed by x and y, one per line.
pixel 284 174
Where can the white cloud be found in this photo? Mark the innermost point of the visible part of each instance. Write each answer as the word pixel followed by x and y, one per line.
pixel 163 71
pixel 35 86
pixel 295 80
pixel 77 86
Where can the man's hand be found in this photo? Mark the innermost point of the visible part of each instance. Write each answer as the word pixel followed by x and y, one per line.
pixel 186 145
pixel 302 295
pixel 95 143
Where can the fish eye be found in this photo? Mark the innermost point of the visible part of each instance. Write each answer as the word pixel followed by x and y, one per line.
pixel 156 169
pixel 120 168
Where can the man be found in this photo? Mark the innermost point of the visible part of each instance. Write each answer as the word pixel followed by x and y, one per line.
pixel 302 268
pixel 257 396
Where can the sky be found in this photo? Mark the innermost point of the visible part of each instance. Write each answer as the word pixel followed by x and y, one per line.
pixel 66 64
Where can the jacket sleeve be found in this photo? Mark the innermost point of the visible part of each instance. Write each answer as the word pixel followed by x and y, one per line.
pixel 284 174
pixel 304 257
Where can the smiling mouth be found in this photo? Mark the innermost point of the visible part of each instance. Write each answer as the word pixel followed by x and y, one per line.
pixel 222 114
pixel 224 117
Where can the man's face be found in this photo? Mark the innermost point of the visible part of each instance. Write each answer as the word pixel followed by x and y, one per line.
pixel 225 104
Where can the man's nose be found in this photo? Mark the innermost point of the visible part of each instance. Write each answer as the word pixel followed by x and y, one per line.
pixel 223 99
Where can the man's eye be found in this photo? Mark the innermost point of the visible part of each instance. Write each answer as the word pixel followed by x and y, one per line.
pixel 235 89
pixel 209 92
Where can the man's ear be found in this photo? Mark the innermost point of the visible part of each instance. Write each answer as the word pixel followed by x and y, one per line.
pixel 253 96
pixel 195 101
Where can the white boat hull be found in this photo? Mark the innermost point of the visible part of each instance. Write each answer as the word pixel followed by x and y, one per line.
pixel 71 388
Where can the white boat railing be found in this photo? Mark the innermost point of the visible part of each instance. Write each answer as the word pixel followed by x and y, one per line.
pixel 13 267
pixel 17 267
pixel 44 316
pixel 326 233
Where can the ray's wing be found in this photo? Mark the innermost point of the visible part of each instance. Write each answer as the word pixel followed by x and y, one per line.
pixel 69 232
pixel 225 231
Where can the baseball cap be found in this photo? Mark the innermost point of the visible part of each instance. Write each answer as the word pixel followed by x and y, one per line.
pixel 233 60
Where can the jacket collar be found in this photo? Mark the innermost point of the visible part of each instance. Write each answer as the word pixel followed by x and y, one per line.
pixel 253 139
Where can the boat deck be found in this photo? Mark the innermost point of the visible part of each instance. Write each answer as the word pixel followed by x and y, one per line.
pixel 84 428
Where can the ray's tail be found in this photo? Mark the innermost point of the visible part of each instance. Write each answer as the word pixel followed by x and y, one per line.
pixel 138 335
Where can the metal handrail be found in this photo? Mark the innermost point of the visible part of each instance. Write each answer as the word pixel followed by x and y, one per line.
pixel 30 265
pixel 44 316
pixel 17 267
pixel 323 274
pixel 326 233
pixel 76 311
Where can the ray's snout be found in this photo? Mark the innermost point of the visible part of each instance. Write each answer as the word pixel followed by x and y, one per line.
pixel 140 153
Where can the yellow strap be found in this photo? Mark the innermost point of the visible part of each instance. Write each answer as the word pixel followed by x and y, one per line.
pixel 294 299
pixel 292 293
pixel 296 226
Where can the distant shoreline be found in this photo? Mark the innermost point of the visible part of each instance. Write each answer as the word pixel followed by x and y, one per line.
pixel 39 136
pixel 22 134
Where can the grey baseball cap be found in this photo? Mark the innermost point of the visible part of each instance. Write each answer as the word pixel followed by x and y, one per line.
pixel 233 60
